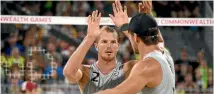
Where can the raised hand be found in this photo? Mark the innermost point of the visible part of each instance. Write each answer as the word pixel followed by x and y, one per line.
pixel 145 7
pixel 120 16
pixel 94 25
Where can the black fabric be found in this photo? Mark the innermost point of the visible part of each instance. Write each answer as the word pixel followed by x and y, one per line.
pixel 124 27
pixel 141 24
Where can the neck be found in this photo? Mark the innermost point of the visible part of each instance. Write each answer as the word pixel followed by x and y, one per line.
pixel 106 66
pixel 147 49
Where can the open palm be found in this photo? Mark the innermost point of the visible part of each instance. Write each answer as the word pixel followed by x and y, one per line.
pixel 120 16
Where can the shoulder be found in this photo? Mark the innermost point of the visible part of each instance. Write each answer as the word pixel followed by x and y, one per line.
pixel 149 66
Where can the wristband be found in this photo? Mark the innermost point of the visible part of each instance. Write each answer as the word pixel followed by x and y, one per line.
pixel 124 27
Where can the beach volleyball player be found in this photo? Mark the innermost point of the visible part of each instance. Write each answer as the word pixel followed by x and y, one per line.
pixel 154 72
pixel 106 72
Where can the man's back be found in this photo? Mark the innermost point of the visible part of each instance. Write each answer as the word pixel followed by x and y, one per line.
pixel 167 85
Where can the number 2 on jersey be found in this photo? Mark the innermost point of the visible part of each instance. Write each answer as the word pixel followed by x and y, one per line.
pixel 96 75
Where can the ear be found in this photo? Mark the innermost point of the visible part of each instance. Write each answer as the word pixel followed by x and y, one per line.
pixel 118 44
pixel 160 37
pixel 137 39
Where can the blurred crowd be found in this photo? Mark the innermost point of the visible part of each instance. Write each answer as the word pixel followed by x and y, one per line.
pixel 30 53
pixel 84 8
pixel 193 73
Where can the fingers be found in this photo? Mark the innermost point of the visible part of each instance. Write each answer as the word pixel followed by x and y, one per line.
pixel 96 14
pixel 93 14
pixel 125 9
pixel 145 7
pixel 118 5
pixel 94 17
pixel 111 16
pixel 89 18
pixel 99 17
pixel 114 8
pixel 150 4
pixel 147 4
pixel 140 5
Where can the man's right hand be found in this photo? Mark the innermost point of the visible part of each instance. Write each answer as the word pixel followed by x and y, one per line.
pixel 145 7
pixel 94 25
pixel 120 16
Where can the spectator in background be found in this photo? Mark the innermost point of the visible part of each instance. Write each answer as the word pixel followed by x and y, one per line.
pixel 15 80
pixel 184 59
pixel 38 71
pixel 195 64
pixel 210 81
pixel 12 40
pixel 66 51
pixel 81 35
pixel 32 43
pixel 82 8
pixel 183 72
pixel 98 5
pixel 198 76
pixel 30 86
pixel 52 53
pixel 16 58
pixel 3 60
pixel 69 30
pixel 48 13
pixel 181 65
pixel 192 8
pixel 189 84
pixel 200 55
pixel 203 68
pixel 56 72
pixel 63 8
pixel 177 9
pixel 37 60
pixel 32 8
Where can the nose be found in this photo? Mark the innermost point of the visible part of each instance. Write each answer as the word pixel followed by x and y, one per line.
pixel 108 44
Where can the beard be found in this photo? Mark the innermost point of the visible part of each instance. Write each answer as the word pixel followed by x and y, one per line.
pixel 107 58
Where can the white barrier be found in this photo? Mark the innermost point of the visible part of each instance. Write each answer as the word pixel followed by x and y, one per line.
pixel 62 20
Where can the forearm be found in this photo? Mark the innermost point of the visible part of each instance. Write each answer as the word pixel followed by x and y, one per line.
pixel 77 57
pixel 126 33
pixel 121 89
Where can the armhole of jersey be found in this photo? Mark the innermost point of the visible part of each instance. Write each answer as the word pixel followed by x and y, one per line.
pixel 85 77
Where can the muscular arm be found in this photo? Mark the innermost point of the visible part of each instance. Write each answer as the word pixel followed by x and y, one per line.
pixel 146 73
pixel 72 68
